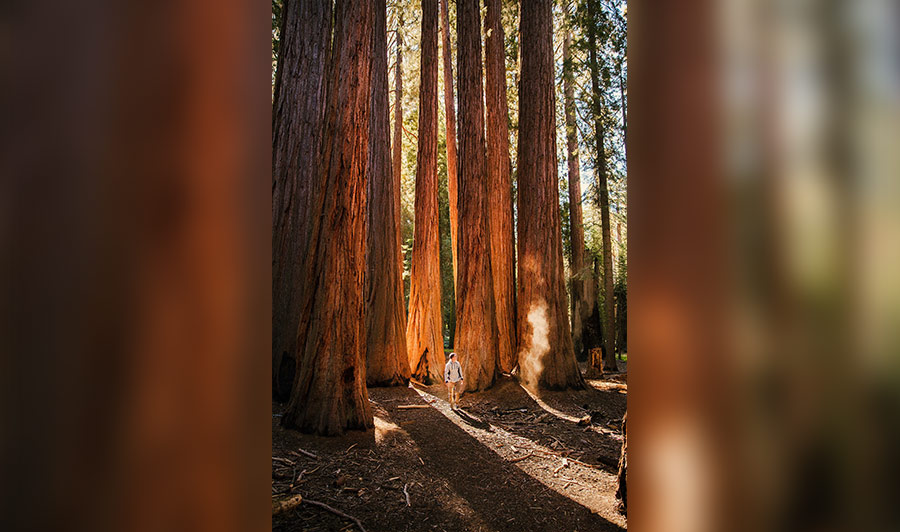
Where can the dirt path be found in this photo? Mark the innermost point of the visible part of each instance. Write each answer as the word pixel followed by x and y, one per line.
pixel 506 462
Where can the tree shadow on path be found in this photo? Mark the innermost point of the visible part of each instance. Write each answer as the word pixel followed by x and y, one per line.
pixel 504 497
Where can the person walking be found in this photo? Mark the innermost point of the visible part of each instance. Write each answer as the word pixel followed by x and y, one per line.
pixel 453 377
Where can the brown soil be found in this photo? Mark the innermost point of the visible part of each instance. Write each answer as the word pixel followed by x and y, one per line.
pixel 505 462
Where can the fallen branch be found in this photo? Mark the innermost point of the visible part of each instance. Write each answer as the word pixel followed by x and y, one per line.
pixel 352 446
pixel 277 459
pixel 307 453
pixel 407 494
pixel 336 512
pixel 413 406
pixel 519 459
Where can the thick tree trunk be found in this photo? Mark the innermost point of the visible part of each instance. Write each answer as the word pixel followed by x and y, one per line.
pixel 297 121
pixel 546 358
pixel 476 329
pixel 609 337
pixel 424 338
pixel 500 188
pixel 450 116
pixel 386 360
pixel 329 393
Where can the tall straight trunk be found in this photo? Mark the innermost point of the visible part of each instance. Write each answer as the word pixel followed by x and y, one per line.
pixel 397 143
pixel 581 276
pixel 450 115
pixel 424 336
pixel 386 360
pixel 297 121
pixel 609 337
pixel 476 329
pixel 329 393
pixel 500 187
pixel 546 359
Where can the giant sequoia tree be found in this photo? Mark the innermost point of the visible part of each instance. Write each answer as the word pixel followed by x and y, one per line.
pixel 476 330
pixel 329 393
pixel 386 360
pixel 297 118
pixel 500 188
pixel 424 339
pixel 546 358
pixel 609 336
pixel 450 119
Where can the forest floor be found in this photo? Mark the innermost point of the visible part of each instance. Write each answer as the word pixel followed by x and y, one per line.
pixel 506 461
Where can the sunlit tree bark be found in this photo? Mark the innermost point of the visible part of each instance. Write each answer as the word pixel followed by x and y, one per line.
pixel 546 358
pixel 386 360
pixel 500 188
pixel 329 393
pixel 425 342
pixel 476 332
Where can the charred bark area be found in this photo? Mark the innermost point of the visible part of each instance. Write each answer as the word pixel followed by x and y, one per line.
pixel 297 122
pixel 476 333
pixel 425 341
pixel 609 309
pixel 500 188
pixel 622 488
pixel 386 360
pixel 329 394
pixel 545 354
pixel 450 115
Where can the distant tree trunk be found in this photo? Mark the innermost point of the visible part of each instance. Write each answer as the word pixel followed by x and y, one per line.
pixel 450 115
pixel 397 144
pixel 424 335
pixel 609 337
pixel 297 121
pixel 546 358
pixel 476 329
pixel 592 327
pixel 386 360
pixel 329 393
pixel 584 337
pixel 500 188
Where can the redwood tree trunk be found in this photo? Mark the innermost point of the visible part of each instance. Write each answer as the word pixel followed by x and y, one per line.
pixel 609 337
pixel 386 360
pixel 329 393
pixel 546 358
pixel 476 329
pixel 450 115
pixel 297 121
pixel 425 341
pixel 580 308
pixel 397 144
pixel 500 188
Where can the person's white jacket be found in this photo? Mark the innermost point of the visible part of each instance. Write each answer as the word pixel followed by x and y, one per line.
pixel 453 371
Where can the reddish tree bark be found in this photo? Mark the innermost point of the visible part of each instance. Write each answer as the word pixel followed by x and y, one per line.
pixel 386 360
pixel 329 393
pixel 609 336
pixel 397 144
pixel 546 359
pixel 500 188
pixel 476 329
pixel 297 121
pixel 450 116
pixel 424 338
